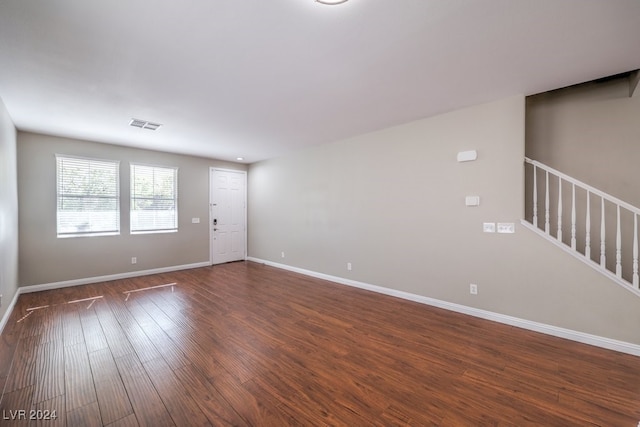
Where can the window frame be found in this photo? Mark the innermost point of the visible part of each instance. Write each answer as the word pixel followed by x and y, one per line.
pixel 62 195
pixel 133 198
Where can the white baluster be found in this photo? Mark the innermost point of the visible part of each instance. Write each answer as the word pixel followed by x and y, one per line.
pixel 587 244
pixel 535 196
pixel 546 205
pixel 573 217
pixel 636 282
pixel 603 258
pixel 560 209
pixel 618 247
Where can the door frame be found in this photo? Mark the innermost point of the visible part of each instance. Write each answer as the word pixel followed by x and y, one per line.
pixel 212 170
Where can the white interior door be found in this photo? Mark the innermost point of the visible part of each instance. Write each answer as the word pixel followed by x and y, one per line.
pixel 227 221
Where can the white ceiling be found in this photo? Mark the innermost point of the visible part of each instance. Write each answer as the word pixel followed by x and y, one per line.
pixel 260 78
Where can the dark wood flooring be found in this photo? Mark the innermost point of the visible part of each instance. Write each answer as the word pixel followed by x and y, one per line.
pixel 245 344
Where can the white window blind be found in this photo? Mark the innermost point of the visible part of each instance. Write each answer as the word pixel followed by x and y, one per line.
pixel 88 196
pixel 154 199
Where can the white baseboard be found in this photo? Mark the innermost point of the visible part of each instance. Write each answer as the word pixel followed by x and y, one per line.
pixel 98 279
pixel 608 343
pixel 7 313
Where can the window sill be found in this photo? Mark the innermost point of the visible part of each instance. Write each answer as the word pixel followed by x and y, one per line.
pixel 133 233
pixel 72 235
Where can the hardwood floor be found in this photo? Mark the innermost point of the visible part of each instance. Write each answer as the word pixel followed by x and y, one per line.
pixel 245 344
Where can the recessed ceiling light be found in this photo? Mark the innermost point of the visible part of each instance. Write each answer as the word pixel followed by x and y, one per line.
pixel 331 2
pixel 240 159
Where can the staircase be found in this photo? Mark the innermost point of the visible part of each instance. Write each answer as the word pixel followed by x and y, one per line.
pixel 593 226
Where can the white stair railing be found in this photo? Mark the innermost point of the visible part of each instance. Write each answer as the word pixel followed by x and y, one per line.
pixel 623 221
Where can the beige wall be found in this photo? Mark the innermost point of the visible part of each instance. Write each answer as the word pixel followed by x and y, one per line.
pixel 590 132
pixel 46 259
pixel 8 211
pixel 392 204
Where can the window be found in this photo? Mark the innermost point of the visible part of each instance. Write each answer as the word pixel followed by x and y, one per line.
pixel 88 196
pixel 154 199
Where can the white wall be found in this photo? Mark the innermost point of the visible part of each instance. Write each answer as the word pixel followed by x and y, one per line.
pixel 8 211
pixel 392 204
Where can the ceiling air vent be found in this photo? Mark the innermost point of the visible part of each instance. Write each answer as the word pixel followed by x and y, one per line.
pixel 143 124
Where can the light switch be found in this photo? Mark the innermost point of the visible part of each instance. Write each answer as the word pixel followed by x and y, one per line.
pixel 506 227
pixel 489 227
pixel 195 220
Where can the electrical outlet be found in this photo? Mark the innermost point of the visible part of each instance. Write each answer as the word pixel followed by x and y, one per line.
pixel 134 260
pixel 349 266
pixel 473 289
pixel 282 255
